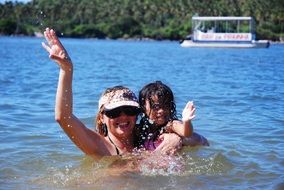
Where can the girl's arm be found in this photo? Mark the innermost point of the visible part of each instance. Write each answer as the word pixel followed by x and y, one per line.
pixel 87 140
pixel 183 128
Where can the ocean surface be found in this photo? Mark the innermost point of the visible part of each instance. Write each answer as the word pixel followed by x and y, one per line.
pixel 239 95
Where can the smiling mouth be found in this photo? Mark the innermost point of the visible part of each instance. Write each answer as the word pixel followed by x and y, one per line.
pixel 159 118
pixel 123 125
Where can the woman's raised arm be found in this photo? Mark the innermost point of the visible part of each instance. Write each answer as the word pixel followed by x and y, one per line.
pixel 87 140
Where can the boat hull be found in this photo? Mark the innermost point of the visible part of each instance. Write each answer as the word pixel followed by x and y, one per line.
pixel 253 44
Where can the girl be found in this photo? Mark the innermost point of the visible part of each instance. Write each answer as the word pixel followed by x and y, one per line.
pixel 159 116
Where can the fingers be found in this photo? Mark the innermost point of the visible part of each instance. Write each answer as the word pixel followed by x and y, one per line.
pixel 62 54
pixel 161 138
pixel 50 36
pixel 170 144
pixel 55 57
pixel 188 112
pixel 165 150
pixel 192 112
pixel 189 104
pixel 47 35
pixel 46 47
pixel 48 39
pixel 192 117
pixel 53 37
pixel 58 57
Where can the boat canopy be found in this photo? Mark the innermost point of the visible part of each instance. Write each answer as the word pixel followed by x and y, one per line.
pixel 213 18
pixel 222 28
pixel 223 31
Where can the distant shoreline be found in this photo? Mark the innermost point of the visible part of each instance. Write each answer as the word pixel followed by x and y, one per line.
pixel 40 35
pixel 122 39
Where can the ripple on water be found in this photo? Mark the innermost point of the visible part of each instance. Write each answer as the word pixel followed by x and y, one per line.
pixel 213 165
pixel 238 93
pixel 118 171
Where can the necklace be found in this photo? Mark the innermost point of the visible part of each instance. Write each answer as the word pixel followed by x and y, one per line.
pixel 117 151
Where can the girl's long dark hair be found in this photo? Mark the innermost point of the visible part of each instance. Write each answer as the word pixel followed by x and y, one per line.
pixel 165 97
pixel 164 94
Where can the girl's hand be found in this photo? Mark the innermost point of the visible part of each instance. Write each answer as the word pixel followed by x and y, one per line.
pixel 188 112
pixel 55 49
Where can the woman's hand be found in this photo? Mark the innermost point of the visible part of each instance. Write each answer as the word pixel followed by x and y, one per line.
pixel 188 112
pixel 56 50
pixel 171 143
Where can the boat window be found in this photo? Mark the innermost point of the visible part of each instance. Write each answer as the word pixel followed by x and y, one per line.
pixel 223 26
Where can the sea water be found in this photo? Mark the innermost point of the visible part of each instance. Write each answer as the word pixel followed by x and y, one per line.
pixel 238 93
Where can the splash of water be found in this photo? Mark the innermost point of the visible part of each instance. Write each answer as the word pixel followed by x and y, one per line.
pixel 213 165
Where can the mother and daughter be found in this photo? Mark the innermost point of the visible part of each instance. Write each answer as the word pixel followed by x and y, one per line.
pixel 118 109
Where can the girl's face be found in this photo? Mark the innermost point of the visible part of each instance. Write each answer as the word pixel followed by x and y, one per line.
pixel 121 125
pixel 158 113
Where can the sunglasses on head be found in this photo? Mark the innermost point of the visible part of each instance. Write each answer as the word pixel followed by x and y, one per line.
pixel 127 110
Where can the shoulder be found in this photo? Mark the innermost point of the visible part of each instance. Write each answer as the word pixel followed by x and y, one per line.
pixel 177 123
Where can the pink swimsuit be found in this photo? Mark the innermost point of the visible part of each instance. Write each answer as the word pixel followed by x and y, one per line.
pixel 152 145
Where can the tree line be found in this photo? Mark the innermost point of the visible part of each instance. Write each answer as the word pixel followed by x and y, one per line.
pixel 156 19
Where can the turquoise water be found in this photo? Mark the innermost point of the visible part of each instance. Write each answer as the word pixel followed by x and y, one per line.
pixel 239 95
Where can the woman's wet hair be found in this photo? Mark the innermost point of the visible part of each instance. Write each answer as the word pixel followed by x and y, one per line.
pixel 164 94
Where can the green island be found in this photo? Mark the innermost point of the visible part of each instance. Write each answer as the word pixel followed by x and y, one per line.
pixel 135 19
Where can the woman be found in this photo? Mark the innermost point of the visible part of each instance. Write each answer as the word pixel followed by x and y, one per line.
pixel 118 109
pixel 159 116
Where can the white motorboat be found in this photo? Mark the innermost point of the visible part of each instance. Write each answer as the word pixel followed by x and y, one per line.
pixel 223 32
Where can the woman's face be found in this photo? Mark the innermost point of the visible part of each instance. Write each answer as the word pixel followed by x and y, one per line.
pixel 159 114
pixel 120 126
